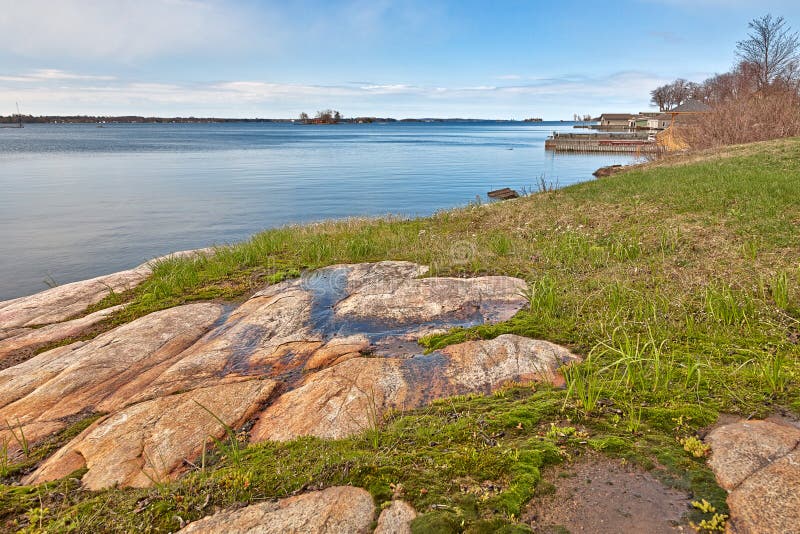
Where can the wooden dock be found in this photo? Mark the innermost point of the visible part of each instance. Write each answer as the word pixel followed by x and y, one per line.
pixel 639 143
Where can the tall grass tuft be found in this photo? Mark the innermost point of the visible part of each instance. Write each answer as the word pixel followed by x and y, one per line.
pixel 773 372
pixel 723 305
pixel 584 384
pixel 542 295
pixel 501 244
pixel 780 291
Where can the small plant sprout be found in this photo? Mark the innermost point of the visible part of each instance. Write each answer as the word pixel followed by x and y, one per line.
pixel 5 460
pixel 232 448
pixel 633 417
pixel 19 437
pixel 714 524
pixel 694 446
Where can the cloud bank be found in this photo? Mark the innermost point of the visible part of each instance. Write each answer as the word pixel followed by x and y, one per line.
pixel 52 91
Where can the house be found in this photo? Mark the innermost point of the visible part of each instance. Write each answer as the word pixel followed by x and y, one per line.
pixel 646 122
pixel 617 121
pixel 687 111
pixel 664 121
pixel 690 107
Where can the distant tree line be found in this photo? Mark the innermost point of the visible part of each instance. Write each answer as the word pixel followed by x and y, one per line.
pixel 328 116
pixel 758 99
pixel 129 119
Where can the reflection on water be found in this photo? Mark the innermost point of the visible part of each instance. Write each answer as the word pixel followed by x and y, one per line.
pixel 79 201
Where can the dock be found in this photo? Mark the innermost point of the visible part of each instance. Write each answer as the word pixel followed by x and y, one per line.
pixel 639 143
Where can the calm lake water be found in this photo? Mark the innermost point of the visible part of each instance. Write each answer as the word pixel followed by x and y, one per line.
pixel 78 201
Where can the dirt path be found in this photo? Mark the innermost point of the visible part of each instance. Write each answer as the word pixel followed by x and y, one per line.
pixel 602 495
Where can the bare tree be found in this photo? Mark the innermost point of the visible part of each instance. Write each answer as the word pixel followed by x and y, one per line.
pixel 681 91
pixel 660 97
pixel 674 94
pixel 303 117
pixel 772 47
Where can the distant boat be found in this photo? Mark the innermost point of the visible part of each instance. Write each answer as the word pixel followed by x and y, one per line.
pixel 19 121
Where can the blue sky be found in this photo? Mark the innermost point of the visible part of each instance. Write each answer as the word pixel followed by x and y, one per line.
pixel 414 58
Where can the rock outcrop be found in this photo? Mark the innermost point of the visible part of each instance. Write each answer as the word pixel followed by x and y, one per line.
pixel 325 355
pixel 42 394
pixel 396 519
pixel 331 511
pixel 758 463
pixel 151 441
pixel 63 302
pixel 610 170
pixel 335 314
pixel 353 396
pixel 31 338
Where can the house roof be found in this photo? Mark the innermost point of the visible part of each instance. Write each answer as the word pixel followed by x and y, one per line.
pixel 691 106
pixel 617 116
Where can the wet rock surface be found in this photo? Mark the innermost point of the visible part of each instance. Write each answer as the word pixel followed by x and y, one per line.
pixel 353 396
pixel 325 355
pixel 320 320
pixel 331 511
pixel 758 463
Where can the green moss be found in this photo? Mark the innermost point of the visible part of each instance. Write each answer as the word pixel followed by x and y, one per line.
pixel 671 419
pixel 497 526
pixel 436 523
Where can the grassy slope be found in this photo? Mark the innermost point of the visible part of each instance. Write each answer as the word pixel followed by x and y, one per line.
pixel 678 282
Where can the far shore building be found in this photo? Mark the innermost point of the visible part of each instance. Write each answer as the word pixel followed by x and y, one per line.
pixel 617 121
pixel 690 108
pixel 646 122
pixel 651 120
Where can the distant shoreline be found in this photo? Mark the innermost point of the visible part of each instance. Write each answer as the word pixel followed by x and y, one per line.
pixel 135 119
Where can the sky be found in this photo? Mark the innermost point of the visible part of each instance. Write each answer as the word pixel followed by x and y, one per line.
pixel 500 59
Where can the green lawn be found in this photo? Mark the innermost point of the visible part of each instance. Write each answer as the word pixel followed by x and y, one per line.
pixel 678 282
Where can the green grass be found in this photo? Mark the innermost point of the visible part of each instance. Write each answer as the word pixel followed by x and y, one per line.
pixel 678 283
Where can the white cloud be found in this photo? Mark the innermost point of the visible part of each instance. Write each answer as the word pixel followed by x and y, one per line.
pixel 51 92
pixel 117 29
pixel 40 75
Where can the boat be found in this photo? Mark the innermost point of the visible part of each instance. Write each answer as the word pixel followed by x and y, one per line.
pixel 19 121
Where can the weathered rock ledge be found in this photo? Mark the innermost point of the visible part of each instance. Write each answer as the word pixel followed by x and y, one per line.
pixel 325 355
pixel 29 323
pixel 758 463
pixel 333 510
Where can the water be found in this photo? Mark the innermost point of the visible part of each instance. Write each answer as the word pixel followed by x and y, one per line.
pixel 77 201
